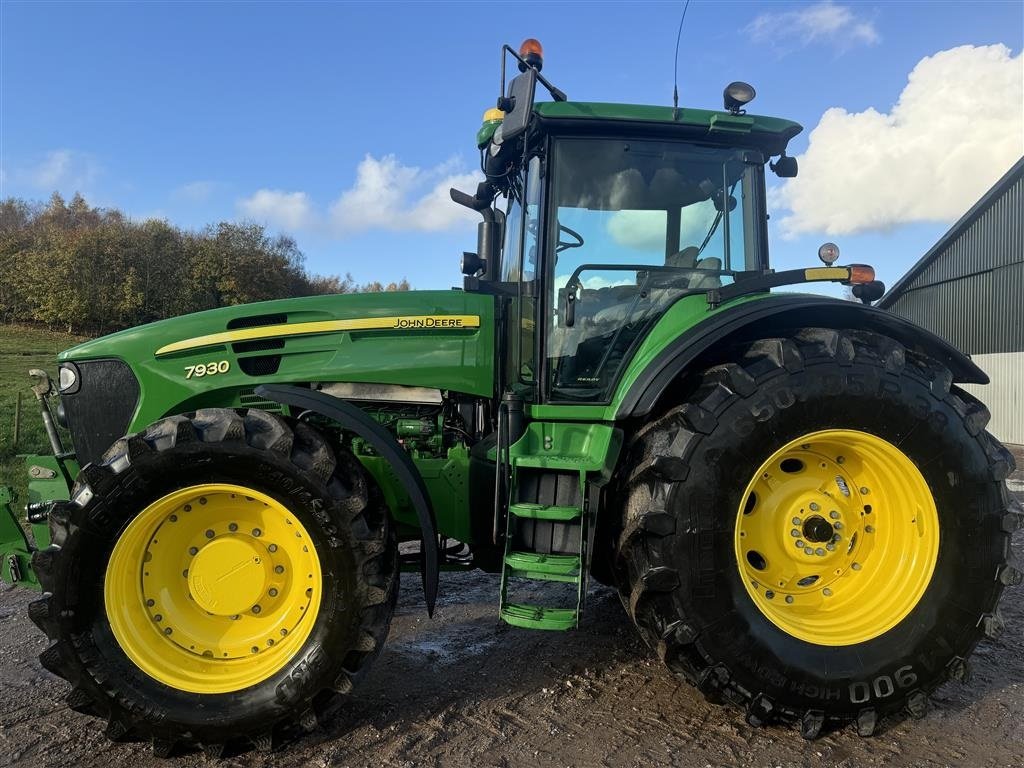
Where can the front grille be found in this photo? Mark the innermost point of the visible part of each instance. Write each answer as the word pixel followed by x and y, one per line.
pixel 260 365
pixel 248 398
pixel 255 321
pixel 259 345
pixel 102 408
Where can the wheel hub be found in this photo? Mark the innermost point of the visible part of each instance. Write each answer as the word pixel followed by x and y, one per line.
pixel 837 537
pixel 229 575
pixel 818 529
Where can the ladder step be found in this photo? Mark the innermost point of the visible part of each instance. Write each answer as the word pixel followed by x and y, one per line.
pixel 535 617
pixel 547 461
pixel 544 512
pixel 534 565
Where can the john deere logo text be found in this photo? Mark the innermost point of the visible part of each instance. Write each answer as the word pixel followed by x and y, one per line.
pixel 429 322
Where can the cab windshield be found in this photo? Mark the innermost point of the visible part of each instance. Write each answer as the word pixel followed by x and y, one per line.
pixel 633 227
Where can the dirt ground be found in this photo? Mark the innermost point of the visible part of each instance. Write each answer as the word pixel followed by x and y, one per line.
pixel 464 690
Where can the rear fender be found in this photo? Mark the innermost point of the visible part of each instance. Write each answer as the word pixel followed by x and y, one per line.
pixel 765 318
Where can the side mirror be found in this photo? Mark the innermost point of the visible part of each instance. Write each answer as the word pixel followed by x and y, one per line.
pixel 518 105
pixel 785 167
pixel 488 237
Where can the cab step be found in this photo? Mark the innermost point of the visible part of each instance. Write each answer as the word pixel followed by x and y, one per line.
pixel 544 567
pixel 545 512
pixel 536 617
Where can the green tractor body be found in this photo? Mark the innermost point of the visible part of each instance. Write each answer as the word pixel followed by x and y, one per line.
pixel 614 392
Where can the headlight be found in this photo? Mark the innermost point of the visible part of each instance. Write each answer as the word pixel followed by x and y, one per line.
pixel 68 380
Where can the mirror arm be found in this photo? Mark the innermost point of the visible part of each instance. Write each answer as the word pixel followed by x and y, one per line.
pixel 556 93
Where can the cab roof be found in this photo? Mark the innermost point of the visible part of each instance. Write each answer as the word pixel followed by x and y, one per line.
pixel 771 133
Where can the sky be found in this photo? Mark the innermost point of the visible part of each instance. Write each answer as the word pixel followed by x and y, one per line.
pixel 344 124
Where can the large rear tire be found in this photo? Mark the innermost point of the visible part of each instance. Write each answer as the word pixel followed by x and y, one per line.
pixel 214 580
pixel 820 533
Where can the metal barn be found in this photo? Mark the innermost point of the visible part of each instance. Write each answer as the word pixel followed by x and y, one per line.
pixel 969 289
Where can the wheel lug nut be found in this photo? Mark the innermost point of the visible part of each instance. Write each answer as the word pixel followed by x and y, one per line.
pixel 151 603
pixel 830 547
pixel 795 533
pixel 278 569
pixel 826 592
pixel 856 566
pixel 834 515
pixel 158 618
pixel 272 592
pixel 837 525
pixel 819 552
pixel 193 551
pixel 789 598
pixel 769 594
pixel 869 529
pixel 233 527
pixel 272 547
pixel 840 459
pixel 257 532
pixel 864 491
pixel 796 521
pixel 808 551
pixel 800 544
pixel 256 609
pixel 814 506
pixel 209 533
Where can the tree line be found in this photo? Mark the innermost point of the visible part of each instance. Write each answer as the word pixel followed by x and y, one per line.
pixel 94 270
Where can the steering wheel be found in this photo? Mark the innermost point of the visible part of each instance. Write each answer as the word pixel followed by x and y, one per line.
pixel 562 245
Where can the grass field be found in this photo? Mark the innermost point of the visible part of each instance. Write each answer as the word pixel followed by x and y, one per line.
pixel 23 347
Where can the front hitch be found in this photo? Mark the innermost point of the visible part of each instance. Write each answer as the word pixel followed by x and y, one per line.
pixel 15 551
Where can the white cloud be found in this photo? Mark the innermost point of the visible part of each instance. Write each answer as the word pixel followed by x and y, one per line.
pixel 195 191
pixel 288 210
pixel 389 195
pixel 957 127
pixel 824 21
pixel 645 230
pixel 63 170
pixel 385 195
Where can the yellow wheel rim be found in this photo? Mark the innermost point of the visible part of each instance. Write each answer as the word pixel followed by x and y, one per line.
pixel 213 588
pixel 836 537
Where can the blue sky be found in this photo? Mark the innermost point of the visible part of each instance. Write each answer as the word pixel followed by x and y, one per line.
pixel 342 123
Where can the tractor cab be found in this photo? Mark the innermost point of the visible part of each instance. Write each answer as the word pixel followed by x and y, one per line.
pixel 600 217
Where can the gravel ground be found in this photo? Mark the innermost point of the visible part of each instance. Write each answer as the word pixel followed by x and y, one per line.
pixel 464 690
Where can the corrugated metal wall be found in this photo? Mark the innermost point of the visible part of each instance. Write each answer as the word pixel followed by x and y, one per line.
pixel 1004 396
pixel 971 292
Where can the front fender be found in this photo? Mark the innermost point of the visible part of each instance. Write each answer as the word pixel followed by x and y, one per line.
pixel 352 418
pixel 764 318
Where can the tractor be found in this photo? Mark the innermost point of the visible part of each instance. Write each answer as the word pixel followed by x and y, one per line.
pixel 797 503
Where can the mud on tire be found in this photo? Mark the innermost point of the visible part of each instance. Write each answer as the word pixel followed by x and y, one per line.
pixel 326 490
pixel 687 470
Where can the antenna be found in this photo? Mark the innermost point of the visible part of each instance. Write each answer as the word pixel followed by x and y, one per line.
pixel 675 74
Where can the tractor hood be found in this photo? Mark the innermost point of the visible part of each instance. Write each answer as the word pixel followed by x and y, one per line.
pixel 122 382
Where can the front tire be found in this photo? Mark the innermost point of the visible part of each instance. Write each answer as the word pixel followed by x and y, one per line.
pixel 861 634
pixel 214 579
